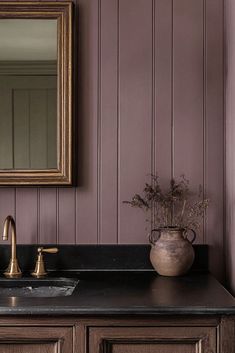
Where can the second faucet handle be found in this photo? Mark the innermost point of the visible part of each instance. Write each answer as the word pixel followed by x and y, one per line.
pixel 48 250
pixel 39 270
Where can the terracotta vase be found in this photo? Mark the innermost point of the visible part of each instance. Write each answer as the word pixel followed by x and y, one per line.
pixel 171 254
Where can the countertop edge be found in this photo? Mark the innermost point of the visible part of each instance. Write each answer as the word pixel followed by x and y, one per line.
pixel 48 311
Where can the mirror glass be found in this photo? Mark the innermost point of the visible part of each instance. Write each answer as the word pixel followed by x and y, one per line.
pixel 28 94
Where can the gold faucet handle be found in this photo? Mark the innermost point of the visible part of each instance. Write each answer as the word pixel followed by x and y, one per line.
pixel 48 250
pixel 40 270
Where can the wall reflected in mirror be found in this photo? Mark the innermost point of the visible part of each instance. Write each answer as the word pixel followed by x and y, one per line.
pixel 28 94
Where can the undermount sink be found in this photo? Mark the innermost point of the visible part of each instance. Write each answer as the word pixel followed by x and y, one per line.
pixel 44 287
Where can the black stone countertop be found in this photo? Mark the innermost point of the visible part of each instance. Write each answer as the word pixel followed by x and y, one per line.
pixel 125 293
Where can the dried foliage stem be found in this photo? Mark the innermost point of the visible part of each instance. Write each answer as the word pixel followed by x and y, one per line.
pixel 173 207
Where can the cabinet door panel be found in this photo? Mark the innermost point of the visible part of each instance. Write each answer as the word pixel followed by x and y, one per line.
pixel 28 348
pixel 152 340
pixel 36 339
pixel 152 348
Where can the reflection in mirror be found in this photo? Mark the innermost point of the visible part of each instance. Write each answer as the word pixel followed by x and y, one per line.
pixel 28 94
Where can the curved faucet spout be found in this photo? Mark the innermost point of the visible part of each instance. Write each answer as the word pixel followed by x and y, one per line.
pixel 9 221
pixel 13 270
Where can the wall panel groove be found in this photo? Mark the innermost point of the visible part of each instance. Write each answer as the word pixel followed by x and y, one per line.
pixel 38 215
pixel 99 125
pixel 172 95
pixel 229 80
pixel 118 122
pixel 204 117
pixel 153 127
pixel 57 216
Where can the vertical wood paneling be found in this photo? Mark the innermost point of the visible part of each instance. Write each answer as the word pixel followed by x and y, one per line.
pixel 188 92
pixel 230 133
pixel 86 198
pixel 6 160
pixel 21 118
pixel 163 89
pixel 7 206
pixel 215 133
pixel 27 215
pixel 47 216
pixel 38 129
pixel 149 98
pixel 135 93
pixel 51 129
pixel 66 216
pixel 109 115
pixel 25 114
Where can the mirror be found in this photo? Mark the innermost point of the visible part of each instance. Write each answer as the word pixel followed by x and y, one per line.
pixel 28 79
pixel 35 93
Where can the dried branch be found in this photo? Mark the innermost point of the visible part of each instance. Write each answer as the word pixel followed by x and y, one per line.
pixel 173 207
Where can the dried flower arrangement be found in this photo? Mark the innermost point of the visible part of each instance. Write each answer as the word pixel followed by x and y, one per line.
pixel 174 207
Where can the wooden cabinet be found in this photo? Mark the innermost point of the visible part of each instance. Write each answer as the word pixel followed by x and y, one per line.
pixel 152 340
pixel 176 334
pixel 36 339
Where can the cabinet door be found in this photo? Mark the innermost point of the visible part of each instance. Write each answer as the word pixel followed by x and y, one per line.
pixel 152 340
pixel 36 340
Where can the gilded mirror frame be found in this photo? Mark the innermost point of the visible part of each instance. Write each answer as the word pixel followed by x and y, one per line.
pixel 62 12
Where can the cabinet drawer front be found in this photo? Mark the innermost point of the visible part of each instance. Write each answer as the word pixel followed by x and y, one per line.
pixel 36 339
pixel 152 340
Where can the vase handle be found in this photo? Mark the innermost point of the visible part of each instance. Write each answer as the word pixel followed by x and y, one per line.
pixel 152 239
pixel 194 235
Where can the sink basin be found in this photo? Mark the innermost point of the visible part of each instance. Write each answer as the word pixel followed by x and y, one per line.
pixel 33 287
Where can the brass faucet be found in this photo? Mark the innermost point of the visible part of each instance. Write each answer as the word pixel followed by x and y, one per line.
pixel 13 269
pixel 39 270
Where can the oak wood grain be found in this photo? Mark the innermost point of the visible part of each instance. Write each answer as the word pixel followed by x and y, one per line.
pixel 36 340
pixel 151 339
pixel 189 334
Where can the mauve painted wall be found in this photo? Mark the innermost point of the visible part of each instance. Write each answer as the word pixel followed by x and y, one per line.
pixel 150 99
pixel 230 133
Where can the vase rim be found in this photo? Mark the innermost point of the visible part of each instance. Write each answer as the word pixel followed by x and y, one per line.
pixel 170 228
